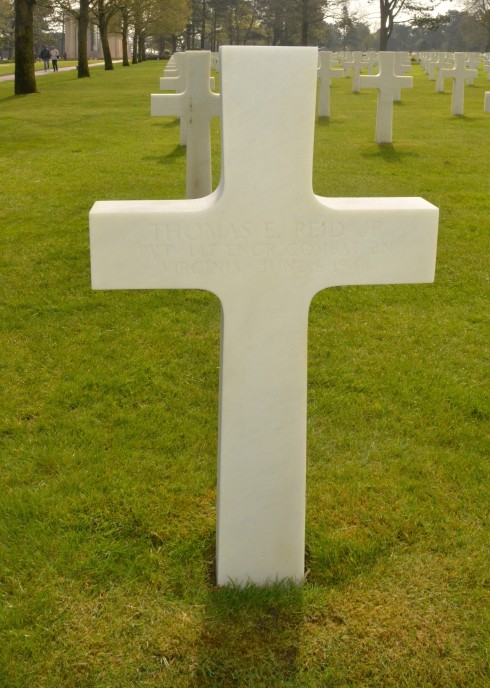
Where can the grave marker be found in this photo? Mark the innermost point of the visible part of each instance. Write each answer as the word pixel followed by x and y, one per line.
pixel 195 107
pixel 178 83
pixel 174 76
pixel 388 84
pixel 357 64
pixel 265 244
pixel 325 75
pixel 400 68
pixel 458 74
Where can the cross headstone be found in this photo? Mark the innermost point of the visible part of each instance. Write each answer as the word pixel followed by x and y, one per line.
pixel 171 69
pixel 178 84
pixel 388 84
pixel 265 244
pixel 325 75
pixel 371 61
pixel 195 106
pixel 458 74
pixel 473 63
pixel 357 64
pixel 400 68
pixel 433 64
pixel 174 76
pixel 445 62
pixel 347 62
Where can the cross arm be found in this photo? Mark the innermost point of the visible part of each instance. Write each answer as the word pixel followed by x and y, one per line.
pixel 155 245
pixel 172 83
pixel 375 241
pixel 166 104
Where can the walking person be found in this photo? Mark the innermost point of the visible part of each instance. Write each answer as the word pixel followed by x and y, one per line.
pixel 45 55
pixel 55 56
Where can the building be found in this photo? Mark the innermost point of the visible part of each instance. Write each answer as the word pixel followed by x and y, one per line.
pixel 94 45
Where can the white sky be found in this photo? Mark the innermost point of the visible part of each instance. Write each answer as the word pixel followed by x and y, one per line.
pixel 369 11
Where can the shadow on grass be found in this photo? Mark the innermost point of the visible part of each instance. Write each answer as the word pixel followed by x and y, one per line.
pixel 169 122
pixel 389 153
pixel 250 636
pixel 326 122
pixel 178 153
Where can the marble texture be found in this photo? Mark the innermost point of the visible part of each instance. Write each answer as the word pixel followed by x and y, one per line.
pixel 265 244
pixel 388 84
pixel 459 74
pixel 195 107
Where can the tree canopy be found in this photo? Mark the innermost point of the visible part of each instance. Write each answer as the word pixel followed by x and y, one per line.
pixel 157 27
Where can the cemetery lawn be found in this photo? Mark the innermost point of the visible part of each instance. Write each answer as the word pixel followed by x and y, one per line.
pixel 9 67
pixel 109 411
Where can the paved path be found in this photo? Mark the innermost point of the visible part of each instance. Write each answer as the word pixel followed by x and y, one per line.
pixel 41 72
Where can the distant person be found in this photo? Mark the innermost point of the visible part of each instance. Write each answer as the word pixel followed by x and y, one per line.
pixel 45 55
pixel 55 56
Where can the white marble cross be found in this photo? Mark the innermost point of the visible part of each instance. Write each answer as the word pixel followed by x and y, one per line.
pixel 178 83
pixel 358 64
pixel 388 84
pixel 433 64
pixel 445 62
pixel 400 68
pixel 371 61
pixel 325 75
pixel 458 74
pixel 265 244
pixel 195 106
pixel 174 76
pixel 472 62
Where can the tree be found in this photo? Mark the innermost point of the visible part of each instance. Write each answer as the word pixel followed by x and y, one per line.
pixel 25 78
pixel 480 10
pixel 312 15
pixel 461 31
pixel 155 22
pixel 81 13
pixel 416 13
pixel 7 27
pixel 125 34
pixel 83 23
pixel 345 26
pixel 293 22
pixel 103 11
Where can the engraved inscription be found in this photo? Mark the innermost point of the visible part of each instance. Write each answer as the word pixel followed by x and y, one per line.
pixel 226 248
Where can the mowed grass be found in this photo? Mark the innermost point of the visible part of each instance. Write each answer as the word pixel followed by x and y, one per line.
pixel 108 419
pixel 9 67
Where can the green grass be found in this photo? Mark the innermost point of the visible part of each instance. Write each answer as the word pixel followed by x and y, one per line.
pixel 9 67
pixel 108 419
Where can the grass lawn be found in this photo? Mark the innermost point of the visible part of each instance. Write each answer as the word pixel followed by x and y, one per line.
pixel 109 404
pixel 9 67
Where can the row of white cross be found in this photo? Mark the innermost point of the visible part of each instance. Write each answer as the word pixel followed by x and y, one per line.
pixel 195 103
pixel 432 61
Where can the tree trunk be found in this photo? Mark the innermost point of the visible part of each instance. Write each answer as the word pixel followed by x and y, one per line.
pixel 83 70
pixel 135 48
pixel 25 78
pixel 125 25
pixel 386 24
pixel 102 23
pixel 203 25
pixel 304 22
pixel 141 47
